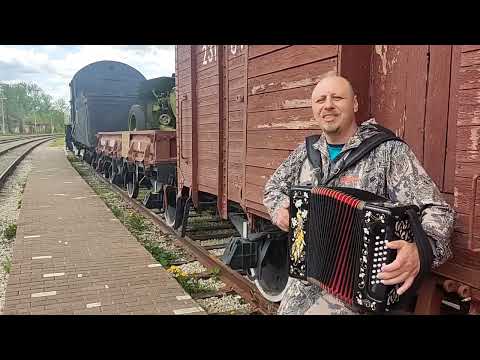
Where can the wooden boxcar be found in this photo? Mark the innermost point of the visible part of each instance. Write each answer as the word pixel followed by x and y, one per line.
pixel 241 110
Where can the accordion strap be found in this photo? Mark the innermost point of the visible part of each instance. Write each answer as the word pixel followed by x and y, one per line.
pixel 425 251
pixel 356 155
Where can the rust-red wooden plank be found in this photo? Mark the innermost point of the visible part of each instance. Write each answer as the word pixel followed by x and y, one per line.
pixel 461 273
pixel 210 147
pixel 469 78
pixel 468 138
pixel 254 193
pixel 300 76
pixel 257 50
pixel 289 57
pixel 207 177
pixel 236 125
pixel 469 97
pixel 465 48
pixel 208 100
pixel 207 82
pixel 259 209
pixel 211 90
pixel 468 115
pixel 204 110
pixel 238 61
pixel 234 191
pixel 283 99
pixel 301 118
pixel 207 73
pixel 464 204
pixel 467 170
pixel 449 174
pixel 265 158
pixel 238 83
pixel 237 115
pixel 207 189
pixel 277 139
pixel 468 156
pixel 258 176
pixel 236 146
pixel 388 86
pixel 236 157
pixel 417 66
pixel 470 58
pixel 235 136
pixel 462 223
pixel 236 73
pixel 436 114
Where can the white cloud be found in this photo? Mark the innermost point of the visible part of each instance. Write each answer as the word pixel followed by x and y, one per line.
pixel 53 66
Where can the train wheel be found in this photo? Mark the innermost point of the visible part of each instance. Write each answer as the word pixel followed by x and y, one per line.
pixel 173 207
pixel 113 173
pixel 132 185
pixel 106 169
pixel 271 276
pixel 93 162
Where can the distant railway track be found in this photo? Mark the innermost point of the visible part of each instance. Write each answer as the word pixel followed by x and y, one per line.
pixel 204 229
pixel 8 139
pixel 13 153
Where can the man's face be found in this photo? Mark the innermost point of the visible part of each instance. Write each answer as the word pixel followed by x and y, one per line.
pixel 334 105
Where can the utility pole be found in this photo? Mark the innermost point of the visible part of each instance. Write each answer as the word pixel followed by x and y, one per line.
pixel 3 115
pixel 51 124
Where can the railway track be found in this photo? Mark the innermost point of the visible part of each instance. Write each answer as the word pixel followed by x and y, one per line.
pixel 205 237
pixel 12 153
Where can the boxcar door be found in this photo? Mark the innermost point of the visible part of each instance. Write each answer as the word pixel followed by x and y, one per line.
pixel 411 94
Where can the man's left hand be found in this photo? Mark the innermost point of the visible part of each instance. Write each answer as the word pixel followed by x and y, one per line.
pixel 405 267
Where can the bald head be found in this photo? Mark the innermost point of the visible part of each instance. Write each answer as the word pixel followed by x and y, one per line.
pixel 334 105
pixel 332 80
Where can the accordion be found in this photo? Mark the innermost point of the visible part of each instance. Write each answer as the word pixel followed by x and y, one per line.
pixel 337 240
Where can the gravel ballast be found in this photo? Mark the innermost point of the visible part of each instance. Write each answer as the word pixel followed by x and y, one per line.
pixel 11 194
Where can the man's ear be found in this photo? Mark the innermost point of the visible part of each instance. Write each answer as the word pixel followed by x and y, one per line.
pixel 355 104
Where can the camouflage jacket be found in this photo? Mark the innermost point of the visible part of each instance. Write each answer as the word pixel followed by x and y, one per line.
pixel 390 170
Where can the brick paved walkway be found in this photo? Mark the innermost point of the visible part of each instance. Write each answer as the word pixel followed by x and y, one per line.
pixel 72 256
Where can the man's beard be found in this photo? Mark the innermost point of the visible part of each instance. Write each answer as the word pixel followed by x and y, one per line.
pixel 331 128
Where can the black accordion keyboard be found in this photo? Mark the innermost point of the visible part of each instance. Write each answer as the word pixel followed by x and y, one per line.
pixel 338 238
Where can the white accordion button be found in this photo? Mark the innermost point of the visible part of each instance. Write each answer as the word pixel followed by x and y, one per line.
pixel 382 230
pixel 373 282
pixel 376 242
pixel 385 258
pixel 384 253
pixel 376 249
pixel 377 237
pixel 377 282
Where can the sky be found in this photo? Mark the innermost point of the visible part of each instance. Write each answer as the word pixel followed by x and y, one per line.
pixel 52 66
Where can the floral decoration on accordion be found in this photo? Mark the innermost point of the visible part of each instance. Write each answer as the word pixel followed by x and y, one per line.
pixel 298 224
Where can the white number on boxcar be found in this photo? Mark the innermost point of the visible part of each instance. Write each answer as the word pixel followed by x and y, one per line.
pixel 209 54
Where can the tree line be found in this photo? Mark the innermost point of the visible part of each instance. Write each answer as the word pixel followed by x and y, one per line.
pixel 27 106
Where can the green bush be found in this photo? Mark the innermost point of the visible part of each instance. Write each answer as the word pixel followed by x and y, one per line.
pixel 10 231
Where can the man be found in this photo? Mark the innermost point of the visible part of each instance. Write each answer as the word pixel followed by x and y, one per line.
pixel 390 170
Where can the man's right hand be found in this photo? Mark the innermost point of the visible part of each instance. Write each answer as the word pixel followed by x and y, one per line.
pixel 282 219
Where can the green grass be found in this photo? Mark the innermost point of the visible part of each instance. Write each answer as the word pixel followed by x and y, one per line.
pixel 7 265
pixel 58 142
pixel 10 231
pixel 163 256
